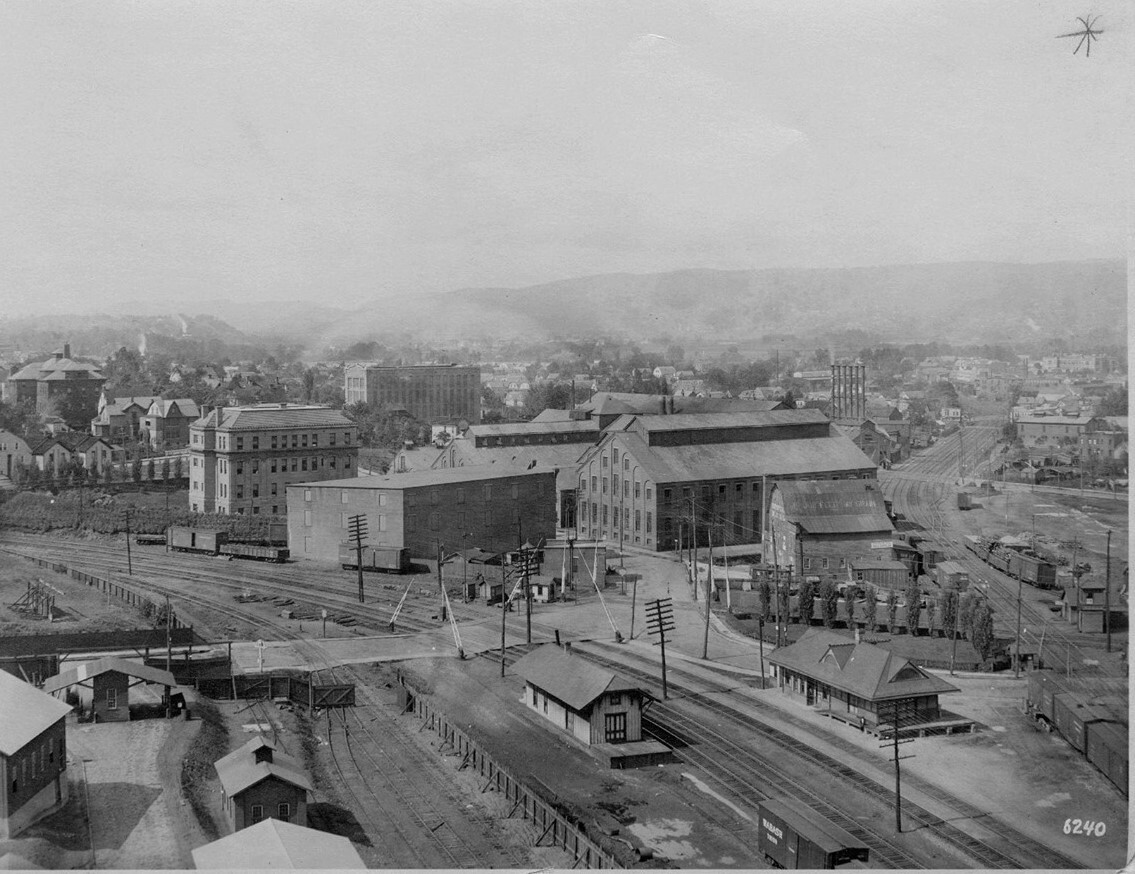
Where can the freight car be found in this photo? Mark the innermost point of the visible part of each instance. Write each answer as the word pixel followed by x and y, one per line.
pixel 1032 569
pixel 1106 748
pixel 384 559
pixel 272 534
pixel 951 576
pixel 979 546
pixel 203 540
pixel 255 551
pixel 150 539
pixel 792 836
pixel 999 558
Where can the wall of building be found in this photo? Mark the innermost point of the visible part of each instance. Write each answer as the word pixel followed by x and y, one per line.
pixel 102 685
pixel 39 769
pixel 629 703
pixel 435 394
pixel 269 793
pixel 14 451
pixel 557 713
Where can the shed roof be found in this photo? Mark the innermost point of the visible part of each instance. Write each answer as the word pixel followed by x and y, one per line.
pixel 835 506
pixel 861 669
pixel 571 679
pixel 25 713
pixel 275 845
pixel 274 416
pixel 100 666
pixel 243 772
pixel 422 478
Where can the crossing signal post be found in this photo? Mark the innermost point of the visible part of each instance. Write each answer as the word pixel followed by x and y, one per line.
pixel 660 622
pixel 358 530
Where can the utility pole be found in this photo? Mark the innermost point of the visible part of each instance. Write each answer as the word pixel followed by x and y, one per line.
pixel 129 562
pixel 897 758
pixel 694 542
pixel 659 622
pixel 169 635
pixel 708 595
pixel 1107 593
pixel 440 581
pixel 1017 660
pixel 504 610
pixel 358 531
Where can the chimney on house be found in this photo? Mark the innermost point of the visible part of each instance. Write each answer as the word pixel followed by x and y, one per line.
pixel 857 634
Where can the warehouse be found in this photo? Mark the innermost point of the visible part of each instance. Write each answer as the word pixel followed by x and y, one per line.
pixel 276 845
pixel 490 508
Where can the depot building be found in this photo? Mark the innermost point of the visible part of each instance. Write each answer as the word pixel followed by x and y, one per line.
pixel 489 508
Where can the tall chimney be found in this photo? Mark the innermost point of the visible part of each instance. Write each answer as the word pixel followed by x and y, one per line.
pixel 66 350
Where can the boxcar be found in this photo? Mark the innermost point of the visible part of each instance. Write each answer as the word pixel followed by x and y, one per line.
pixel 792 836
pixel 150 539
pixel 255 551
pixel 1032 569
pixel 1000 557
pixel 206 540
pixel 384 559
pixel 1106 748
pixel 1073 713
pixel 951 576
pixel 1043 687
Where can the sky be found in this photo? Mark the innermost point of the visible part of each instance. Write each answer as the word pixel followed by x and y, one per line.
pixel 338 152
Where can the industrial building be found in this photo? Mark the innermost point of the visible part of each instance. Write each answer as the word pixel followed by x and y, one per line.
pixel 435 393
pixel 820 527
pixel 33 755
pixel 491 508
pixel 652 481
pixel 241 459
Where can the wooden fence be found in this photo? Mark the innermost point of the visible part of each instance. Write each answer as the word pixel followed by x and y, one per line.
pixel 555 828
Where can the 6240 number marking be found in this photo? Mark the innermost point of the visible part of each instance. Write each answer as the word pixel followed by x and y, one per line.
pixel 1084 827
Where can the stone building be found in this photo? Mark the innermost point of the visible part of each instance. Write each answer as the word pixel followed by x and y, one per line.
pixel 434 393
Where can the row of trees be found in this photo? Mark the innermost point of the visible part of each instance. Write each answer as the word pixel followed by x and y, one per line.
pixel 74 474
pixel 969 616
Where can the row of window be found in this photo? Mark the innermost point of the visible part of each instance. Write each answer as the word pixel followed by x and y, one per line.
pixel 276 441
pixel 283 811
pixel 36 763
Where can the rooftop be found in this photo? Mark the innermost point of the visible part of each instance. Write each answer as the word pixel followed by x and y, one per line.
pixel 275 845
pixel 101 666
pixel 25 713
pixel 422 478
pixel 571 679
pixel 835 506
pixel 273 416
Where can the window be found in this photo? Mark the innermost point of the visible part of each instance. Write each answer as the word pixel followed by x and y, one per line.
pixel 256 467
pixel 314 439
pixel 307 494
pixel 626 489
pixel 604 485
pixel 284 810
pixel 615 484
pixel 545 703
pixel 257 812
pixel 240 491
pixel 273 465
pixel 240 443
pixel 594 483
pixel 275 508
pixel 343 519
pixel 255 490
pixel 111 699
pixel 295 464
pixel 824 563
pixel 295 441
pixel 332 438
pixel 460 496
pixel 533 696
pixel 615 456
pixel 648 521
pixel 273 492
pixel 307 518
pixel 637 520
pixel 637 489
pixel 604 460
pixel 615 728
pixel 342 496
pixel 255 442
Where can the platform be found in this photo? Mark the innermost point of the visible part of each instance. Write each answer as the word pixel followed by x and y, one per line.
pixel 638 754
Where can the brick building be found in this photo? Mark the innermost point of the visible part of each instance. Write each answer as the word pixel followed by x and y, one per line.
pixel 820 527
pixel 1054 431
pixel 59 385
pixel 647 474
pixel 118 419
pixel 241 459
pixel 459 508
pixel 435 393
pixel 103 686
pixel 14 451
pixel 33 755
pixel 165 424
pixel 259 782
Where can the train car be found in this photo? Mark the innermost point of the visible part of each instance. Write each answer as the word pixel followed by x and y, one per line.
pixel 999 558
pixel 203 540
pixel 1074 712
pixel 1032 569
pixel 965 502
pixel 256 551
pixel 383 559
pixel 1106 748
pixel 792 836
pixel 150 539
pixel 278 534
pixel 951 576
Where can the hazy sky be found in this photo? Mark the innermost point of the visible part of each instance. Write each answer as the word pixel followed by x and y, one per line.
pixel 336 151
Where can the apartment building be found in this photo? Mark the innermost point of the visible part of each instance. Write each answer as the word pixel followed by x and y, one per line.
pixel 241 459
pixel 435 393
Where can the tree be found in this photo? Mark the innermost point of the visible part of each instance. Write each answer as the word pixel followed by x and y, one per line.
pixel 764 591
pixel 982 636
pixel 849 606
pixel 178 473
pixel 932 610
pixel 308 384
pixel 913 607
pixel 966 608
pixel 870 608
pixel 829 602
pixel 807 595
pixel 892 610
pixel 547 396
pixel 136 469
pixel 149 470
pixel 949 613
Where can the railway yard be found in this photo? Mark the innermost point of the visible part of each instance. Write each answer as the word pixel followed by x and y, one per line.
pixel 997 798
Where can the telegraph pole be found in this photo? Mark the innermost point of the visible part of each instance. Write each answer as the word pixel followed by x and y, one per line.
pixel 504 609
pixel 1107 593
pixel 708 595
pixel 440 581
pixel 660 621
pixel 358 530
pixel 129 562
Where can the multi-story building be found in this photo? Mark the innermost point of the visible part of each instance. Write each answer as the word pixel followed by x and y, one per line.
pixel 435 393
pixel 652 480
pixel 166 423
pixel 1054 431
pixel 118 419
pixel 60 385
pixel 490 508
pixel 242 458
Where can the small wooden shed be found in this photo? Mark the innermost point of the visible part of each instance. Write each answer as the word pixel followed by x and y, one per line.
pixel 104 686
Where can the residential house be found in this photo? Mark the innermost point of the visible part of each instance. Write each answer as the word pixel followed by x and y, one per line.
pixel 14 453
pixel 52 454
pixel 119 419
pixel 33 755
pixel 165 425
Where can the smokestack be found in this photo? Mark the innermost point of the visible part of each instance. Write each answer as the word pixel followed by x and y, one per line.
pixel 66 350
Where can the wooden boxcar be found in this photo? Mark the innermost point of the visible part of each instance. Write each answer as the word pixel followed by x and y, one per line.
pixel 792 836
pixel 384 559
pixel 951 576
pixel 999 557
pixel 1072 714
pixel 255 551
pixel 1106 748
pixel 204 540
pixel 1032 569
pixel 1043 687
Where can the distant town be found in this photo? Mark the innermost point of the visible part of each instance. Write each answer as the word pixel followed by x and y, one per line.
pixel 603 604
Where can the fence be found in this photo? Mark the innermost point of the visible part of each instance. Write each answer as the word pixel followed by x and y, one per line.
pixel 554 825
pixel 298 690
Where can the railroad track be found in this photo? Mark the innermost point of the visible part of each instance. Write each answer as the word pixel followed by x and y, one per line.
pixel 1028 852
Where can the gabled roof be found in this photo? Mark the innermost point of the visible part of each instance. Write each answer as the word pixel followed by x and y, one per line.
pixel 101 666
pixel 865 670
pixel 239 770
pixel 571 679
pixel 249 749
pixel 25 713
pixel 275 845
pixel 835 506
pixel 281 416
pixel 185 407
pixel 72 441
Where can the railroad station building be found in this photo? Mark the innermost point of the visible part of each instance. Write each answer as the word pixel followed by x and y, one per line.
pixel 592 704
pixel 241 459
pixel 489 508
pixel 272 844
pixel 858 683
pixel 33 755
pixel 435 393
pixel 647 474
pixel 822 527
pixel 259 782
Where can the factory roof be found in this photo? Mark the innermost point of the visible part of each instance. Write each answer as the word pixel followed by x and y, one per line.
pixel 423 478
pixel 272 844
pixel 25 713
pixel 259 417
pixel 835 506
